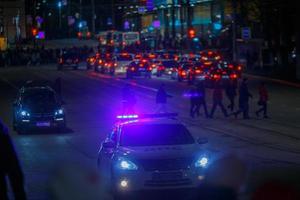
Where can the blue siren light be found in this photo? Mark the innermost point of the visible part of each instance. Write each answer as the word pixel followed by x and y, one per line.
pixel 127 116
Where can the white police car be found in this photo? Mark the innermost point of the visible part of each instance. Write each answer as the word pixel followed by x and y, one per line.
pixel 150 152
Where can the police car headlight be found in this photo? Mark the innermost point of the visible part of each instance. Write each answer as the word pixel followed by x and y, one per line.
pixel 59 112
pixel 202 162
pixel 125 164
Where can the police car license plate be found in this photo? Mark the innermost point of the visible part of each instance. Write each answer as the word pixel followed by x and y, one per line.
pixel 166 176
pixel 43 124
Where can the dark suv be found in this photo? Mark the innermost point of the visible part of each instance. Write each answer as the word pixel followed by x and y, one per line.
pixel 37 107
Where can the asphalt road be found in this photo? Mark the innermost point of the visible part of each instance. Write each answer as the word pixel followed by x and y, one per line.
pixel 63 163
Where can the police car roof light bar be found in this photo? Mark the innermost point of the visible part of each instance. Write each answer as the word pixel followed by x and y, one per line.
pixel 148 116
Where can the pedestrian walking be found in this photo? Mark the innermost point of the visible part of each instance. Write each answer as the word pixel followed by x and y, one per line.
pixel 218 100
pixel 244 96
pixel 263 100
pixel 161 99
pixel 10 168
pixel 231 94
pixel 193 101
pixel 198 100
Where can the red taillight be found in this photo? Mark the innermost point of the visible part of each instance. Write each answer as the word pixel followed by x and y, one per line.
pixel 61 61
pixel 141 65
pixel 100 61
pixel 115 64
pixel 88 34
pixel 218 57
pixel 208 63
pixel 233 76
pixel 216 76
pixel 144 60
pixel 183 73
pixel 210 53
pixel 132 68
pixel 239 68
pixel 198 71
pixel 150 68
pixel 153 65
pixel 230 66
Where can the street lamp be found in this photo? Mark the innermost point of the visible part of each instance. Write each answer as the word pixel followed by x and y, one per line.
pixel 59 4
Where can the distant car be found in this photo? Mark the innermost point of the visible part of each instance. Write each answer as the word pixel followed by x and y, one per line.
pixel 139 68
pixel 183 72
pixel 209 57
pixel 68 59
pixel 108 66
pixel 37 107
pixel 122 60
pixel 224 73
pixel 151 152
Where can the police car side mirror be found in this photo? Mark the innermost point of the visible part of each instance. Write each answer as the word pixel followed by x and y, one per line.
pixel 108 145
pixel 202 140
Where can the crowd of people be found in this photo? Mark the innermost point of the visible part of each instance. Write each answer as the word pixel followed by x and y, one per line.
pixel 25 56
pixel 198 99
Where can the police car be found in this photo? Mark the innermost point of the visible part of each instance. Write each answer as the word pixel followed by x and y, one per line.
pixel 151 152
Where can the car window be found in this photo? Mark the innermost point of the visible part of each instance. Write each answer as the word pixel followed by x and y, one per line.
pixel 38 97
pixel 155 134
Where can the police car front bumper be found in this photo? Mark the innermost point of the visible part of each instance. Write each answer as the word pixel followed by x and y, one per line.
pixel 141 180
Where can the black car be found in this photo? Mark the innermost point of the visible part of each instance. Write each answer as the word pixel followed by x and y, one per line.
pixel 139 68
pixel 68 59
pixel 37 107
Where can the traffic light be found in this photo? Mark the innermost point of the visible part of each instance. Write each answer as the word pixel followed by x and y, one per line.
pixel 191 33
pixel 34 32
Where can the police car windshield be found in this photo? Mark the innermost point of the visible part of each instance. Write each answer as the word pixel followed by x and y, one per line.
pixel 155 135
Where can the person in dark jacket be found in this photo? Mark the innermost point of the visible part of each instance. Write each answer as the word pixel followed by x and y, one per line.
pixel 200 100
pixel 244 100
pixel 263 100
pixel 10 168
pixel 161 99
pixel 218 100
pixel 231 94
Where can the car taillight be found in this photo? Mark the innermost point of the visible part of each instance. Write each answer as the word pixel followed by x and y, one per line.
pixel 153 65
pixel 239 68
pixel 100 61
pixel 198 71
pixel 233 76
pixel 115 64
pixel 105 64
pixel 132 68
pixel 61 61
pixel 230 66
pixel 150 68
pixel 216 76
pixel 183 73
pixel 217 57
pixel 208 63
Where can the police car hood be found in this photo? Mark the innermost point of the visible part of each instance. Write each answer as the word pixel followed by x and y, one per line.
pixel 160 152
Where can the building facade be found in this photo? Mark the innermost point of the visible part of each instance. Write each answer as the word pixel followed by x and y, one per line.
pixel 12 20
